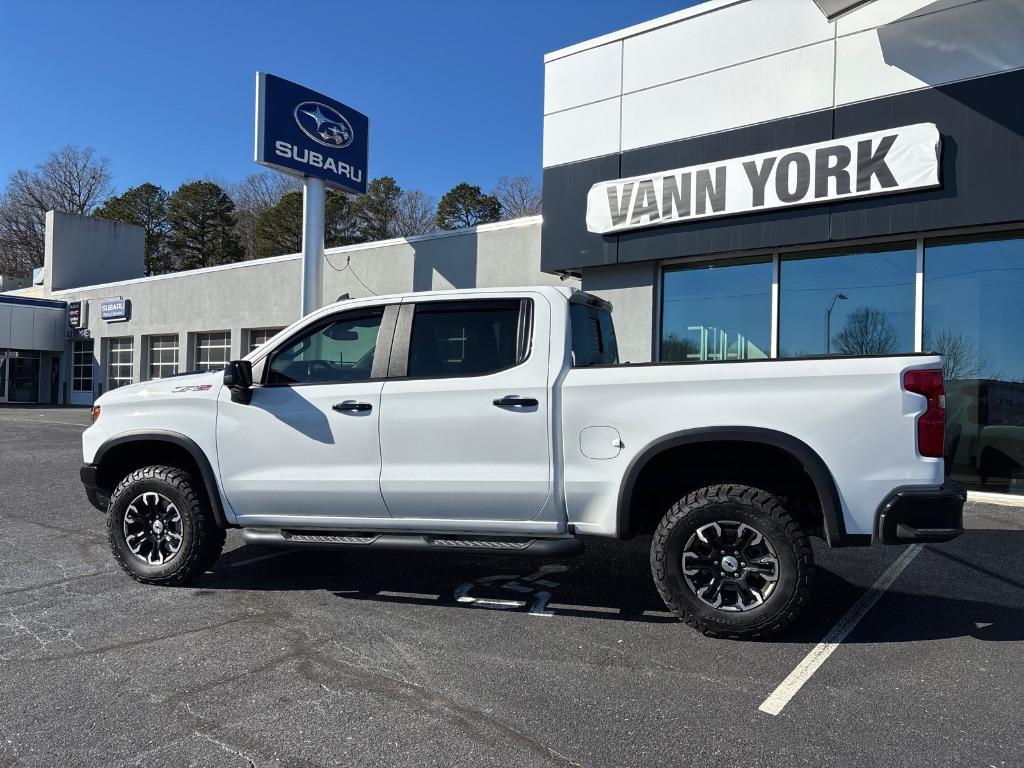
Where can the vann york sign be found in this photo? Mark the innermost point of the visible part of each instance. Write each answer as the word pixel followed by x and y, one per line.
pixel 883 162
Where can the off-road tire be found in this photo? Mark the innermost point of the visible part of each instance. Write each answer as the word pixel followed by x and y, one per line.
pixel 201 538
pixel 764 512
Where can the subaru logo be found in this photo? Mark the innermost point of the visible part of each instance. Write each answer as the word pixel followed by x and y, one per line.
pixel 323 124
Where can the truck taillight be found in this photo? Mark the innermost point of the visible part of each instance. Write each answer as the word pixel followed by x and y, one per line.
pixel 931 425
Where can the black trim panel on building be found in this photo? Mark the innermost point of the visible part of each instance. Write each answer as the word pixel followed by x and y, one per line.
pixel 565 241
pixel 729 233
pixel 982 128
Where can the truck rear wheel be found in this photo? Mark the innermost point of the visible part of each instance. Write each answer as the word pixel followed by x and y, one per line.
pixel 731 562
pixel 161 528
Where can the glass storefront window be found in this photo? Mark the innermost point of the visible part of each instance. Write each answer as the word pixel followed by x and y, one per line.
pixel 24 376
pixel 847 304
pixel 973 315
pixel 81 365
pixel 717 311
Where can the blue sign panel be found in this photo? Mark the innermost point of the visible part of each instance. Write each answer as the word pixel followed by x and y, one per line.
pixel 114 310
pixel 305 133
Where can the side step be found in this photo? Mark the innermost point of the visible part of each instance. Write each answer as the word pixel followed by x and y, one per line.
pixel 564 546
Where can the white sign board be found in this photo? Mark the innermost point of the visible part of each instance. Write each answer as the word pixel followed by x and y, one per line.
pixel 879 163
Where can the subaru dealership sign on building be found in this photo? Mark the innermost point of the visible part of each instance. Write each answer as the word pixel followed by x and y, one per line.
pixel 305 133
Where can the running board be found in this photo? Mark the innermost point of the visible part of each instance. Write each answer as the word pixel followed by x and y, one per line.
pixel 565 546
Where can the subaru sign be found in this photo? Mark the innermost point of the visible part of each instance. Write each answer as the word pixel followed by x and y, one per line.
pixel 115 310
pixel 305 133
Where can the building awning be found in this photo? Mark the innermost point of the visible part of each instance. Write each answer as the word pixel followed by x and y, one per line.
pixel 33 324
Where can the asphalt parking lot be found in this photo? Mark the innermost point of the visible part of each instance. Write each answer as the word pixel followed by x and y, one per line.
pixel 324 659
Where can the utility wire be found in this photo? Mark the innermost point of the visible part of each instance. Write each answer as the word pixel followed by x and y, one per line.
pixel 348 266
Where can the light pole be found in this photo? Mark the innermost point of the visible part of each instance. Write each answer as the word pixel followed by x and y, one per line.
pixel 828 321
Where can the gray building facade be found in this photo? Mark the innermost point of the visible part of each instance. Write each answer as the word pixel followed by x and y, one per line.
pixel 108 334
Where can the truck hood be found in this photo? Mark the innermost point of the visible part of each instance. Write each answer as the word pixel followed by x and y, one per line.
pixel 205 384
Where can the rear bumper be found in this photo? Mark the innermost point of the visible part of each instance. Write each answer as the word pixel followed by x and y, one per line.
pixel 96 495
pixel 921 514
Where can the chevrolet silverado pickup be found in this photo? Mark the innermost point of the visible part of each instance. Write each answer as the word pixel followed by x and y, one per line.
pixel 501 422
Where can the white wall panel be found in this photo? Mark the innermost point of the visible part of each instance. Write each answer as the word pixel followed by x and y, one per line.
pixel 591 75
pixel 966 41
pixel 581 133
pixel 41 331
pixel 790 83
pixel 726 37
pixel 21 327
pixel 5 326
pixel 882 12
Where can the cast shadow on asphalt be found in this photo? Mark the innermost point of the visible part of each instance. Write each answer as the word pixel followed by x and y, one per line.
pixel 611 582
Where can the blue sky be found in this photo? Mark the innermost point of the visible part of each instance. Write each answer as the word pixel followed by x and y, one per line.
pixel 454 90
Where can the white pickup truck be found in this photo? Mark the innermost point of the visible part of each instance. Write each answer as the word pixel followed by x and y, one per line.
pixel 502 422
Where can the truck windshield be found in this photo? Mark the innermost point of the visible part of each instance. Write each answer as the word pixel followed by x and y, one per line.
pixel 593 336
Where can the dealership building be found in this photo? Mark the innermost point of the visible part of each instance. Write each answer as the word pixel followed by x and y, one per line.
pixel 743 179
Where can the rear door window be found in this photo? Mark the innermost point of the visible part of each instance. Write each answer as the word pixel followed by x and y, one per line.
pixel 465 338
pixel 593 336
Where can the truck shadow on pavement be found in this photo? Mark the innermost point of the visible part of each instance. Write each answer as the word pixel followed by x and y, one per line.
pixel 949 592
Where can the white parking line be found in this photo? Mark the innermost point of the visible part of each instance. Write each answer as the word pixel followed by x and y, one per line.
pixel 789 687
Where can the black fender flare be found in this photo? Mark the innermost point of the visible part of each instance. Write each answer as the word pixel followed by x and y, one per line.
pixel 809 460
pixel 180 441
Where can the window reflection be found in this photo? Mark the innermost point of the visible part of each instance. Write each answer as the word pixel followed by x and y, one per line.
pixel 973 316
pixel 717 311
pixel 847 304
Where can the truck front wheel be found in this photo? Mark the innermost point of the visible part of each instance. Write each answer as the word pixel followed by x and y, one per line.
pixel 731 562
pixel 161 528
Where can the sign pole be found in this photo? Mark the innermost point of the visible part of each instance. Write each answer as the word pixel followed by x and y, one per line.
pixel 313 202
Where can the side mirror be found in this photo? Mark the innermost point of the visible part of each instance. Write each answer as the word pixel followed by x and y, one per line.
pixel 238 378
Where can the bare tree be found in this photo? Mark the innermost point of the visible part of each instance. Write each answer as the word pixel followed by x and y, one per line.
pixel 676 348
pixel 960 358
pixel 72 180
pixel 868 331
pixel 416 214
pixel 254 195
pixel 21 237
pixel 519 196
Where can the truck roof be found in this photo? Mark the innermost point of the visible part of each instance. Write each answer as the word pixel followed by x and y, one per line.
pixel 566 292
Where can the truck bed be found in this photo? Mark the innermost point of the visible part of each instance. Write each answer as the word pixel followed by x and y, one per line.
pixel 852 412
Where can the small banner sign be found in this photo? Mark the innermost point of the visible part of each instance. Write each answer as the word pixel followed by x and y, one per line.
pixel 76 314
pixel 879 163
pixel 115 310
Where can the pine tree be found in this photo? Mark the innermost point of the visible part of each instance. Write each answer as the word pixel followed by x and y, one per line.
pixel 144 206
pixel 202 223
pixel 464 205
